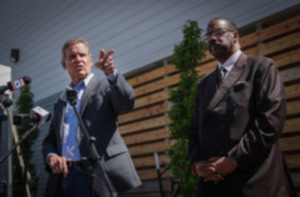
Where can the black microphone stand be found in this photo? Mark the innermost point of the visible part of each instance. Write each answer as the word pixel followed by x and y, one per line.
pixel 5 103
pixel 96 159
pixel 23 137
pixel 3 117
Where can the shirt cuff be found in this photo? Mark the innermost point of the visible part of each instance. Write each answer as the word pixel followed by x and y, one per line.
pixel 113 76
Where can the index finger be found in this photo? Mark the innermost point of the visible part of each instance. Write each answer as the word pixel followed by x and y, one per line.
pixel 104 55
pixel 64 167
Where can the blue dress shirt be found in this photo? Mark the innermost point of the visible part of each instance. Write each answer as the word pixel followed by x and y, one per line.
pixel 70 148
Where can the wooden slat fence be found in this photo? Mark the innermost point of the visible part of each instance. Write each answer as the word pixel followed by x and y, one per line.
pixel 146 128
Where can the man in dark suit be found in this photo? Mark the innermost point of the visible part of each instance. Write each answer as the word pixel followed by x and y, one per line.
pixel 239 116
pixel 99 103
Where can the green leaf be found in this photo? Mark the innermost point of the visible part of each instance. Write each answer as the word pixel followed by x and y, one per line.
pixel 24 105
pixel 185 57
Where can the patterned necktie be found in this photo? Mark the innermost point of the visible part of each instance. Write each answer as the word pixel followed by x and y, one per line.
pixel 222 74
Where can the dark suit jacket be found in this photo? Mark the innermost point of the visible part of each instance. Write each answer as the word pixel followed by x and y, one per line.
pixel 242 119
pixel 100 106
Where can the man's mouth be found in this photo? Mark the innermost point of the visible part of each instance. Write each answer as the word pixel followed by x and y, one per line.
pixel 214 47
pixel 79 67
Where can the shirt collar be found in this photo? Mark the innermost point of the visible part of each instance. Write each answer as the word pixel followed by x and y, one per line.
pixel 229 63
pixel 86 81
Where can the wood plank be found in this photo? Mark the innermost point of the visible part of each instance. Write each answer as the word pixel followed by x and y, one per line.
pixel 149 189
pixel 264 34
pixel 293 107
pixel 151 174
pixel 264 49
pixel 245 41
pixel 152 75
pixel 150 148
pixel 292 125
pixel 145 124
pixel 148 136
pixel 296 179
pixel 292 160
pixel 292 91
pixel 281 60
pixel 144 194
pixel 206 68
pixel 144 113
pixel 149 161
pixel 287 58
pixel 151 99
pixel 275 46
pixel 290 74
pixel 270 32
pixel 207 57
pixel 157 85
pixel 287 75
pixel 290 143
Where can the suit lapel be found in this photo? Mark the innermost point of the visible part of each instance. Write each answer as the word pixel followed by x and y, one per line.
pixel 231 79
pixel 211 88
pixel 85 99
pixel 87 94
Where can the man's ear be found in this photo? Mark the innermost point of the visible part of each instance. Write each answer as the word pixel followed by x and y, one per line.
pixel 63 63
pixel 236 35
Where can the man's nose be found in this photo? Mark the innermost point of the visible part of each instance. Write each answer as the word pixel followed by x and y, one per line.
pixel 211 38
pixel 77 58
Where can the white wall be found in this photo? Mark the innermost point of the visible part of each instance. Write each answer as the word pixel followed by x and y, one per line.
pixel 141 31
pixel 5 74
pixel 5 144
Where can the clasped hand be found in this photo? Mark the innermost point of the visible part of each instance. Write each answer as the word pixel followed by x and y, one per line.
pixel 215 169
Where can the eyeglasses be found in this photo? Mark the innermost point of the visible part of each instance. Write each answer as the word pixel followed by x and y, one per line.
pixel 217 33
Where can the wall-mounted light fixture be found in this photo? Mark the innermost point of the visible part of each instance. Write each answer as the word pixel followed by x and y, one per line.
pixel 14 55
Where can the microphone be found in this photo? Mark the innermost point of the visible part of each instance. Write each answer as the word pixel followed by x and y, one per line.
pixel 71 94
pixel 16 84
pixel 37 116
pixel 6 102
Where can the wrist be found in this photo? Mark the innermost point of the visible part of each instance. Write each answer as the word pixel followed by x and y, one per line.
pixel 232 160
pixel 193 166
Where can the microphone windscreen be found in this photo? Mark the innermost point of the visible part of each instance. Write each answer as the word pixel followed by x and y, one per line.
pixel 27 80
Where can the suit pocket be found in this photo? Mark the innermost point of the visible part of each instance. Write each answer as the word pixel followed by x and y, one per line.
pixel 239 86
pixel 116 149
pixel 241 93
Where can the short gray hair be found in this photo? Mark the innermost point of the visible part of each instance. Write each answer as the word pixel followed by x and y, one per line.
pixel 72 42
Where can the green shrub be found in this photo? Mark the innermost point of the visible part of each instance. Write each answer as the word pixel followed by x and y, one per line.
pixel 24 105
pixel 186 57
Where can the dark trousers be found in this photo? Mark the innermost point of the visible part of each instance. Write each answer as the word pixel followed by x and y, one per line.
pixel 76 184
